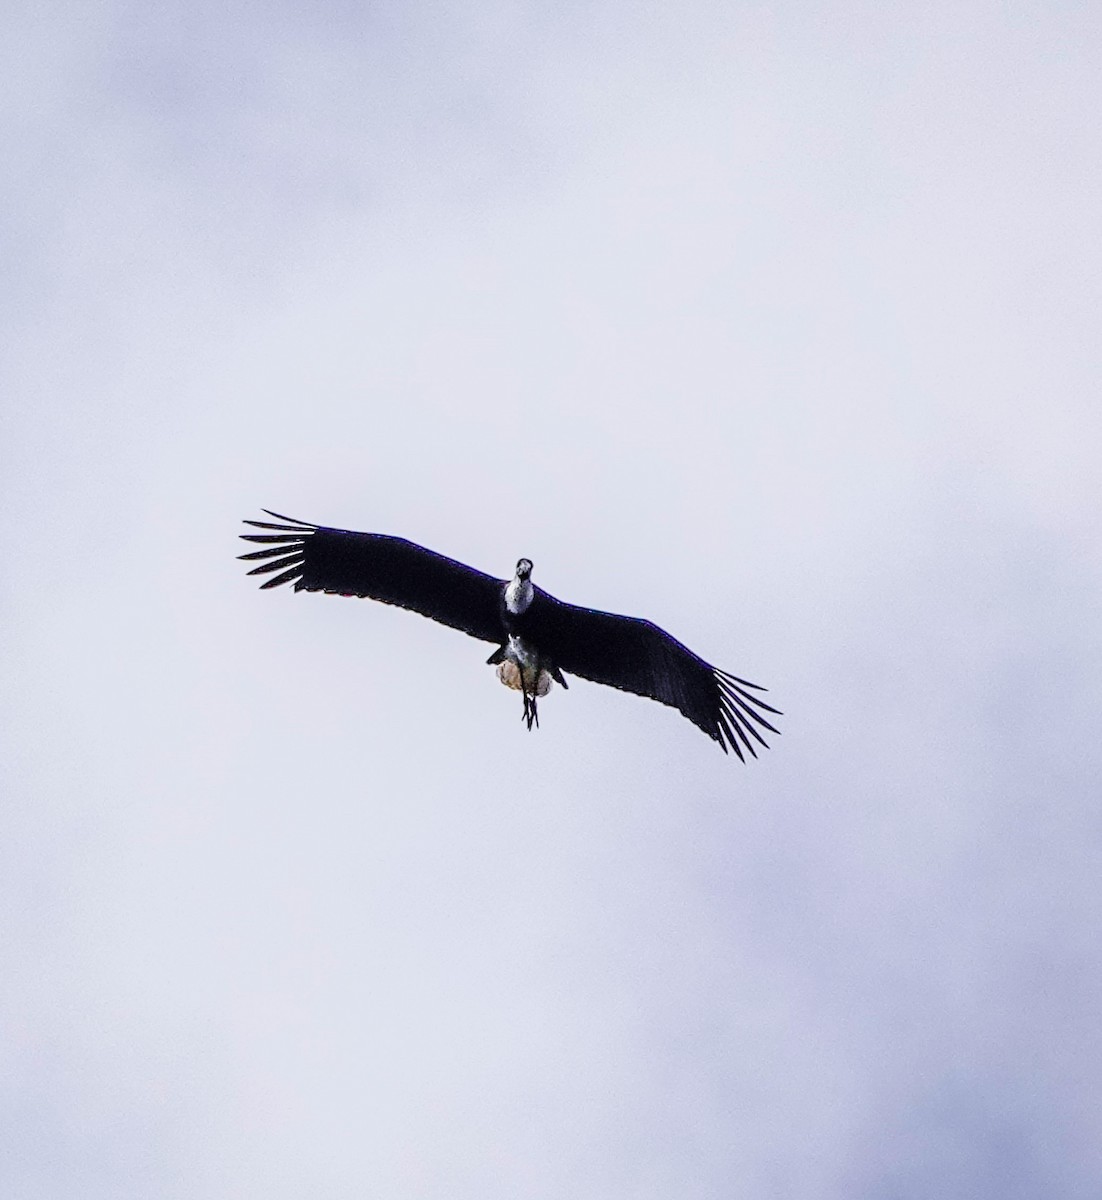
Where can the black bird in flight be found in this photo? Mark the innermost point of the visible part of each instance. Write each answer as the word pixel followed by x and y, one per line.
pixel 537 636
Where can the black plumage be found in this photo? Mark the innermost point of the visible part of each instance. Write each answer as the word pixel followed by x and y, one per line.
pixel 622 652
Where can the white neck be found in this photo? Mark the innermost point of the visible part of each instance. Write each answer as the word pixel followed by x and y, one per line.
pixel 518 595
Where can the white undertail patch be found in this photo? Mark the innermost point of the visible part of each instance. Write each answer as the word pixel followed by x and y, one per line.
pixel 520 662
pixel 510 675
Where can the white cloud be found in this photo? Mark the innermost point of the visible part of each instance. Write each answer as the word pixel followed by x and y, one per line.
pixel 773 329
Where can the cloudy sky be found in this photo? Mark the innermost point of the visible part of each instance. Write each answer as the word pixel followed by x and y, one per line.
pixel 777 324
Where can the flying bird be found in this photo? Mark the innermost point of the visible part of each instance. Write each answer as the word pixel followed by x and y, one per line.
pixel 538 638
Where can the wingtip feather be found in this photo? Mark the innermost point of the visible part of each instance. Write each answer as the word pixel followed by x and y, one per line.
pixel 293 520
pixel 286 577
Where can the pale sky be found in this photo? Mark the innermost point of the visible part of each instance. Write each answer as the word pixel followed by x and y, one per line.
pixel 777 325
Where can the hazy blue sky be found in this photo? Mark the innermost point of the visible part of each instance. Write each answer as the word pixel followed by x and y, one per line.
pixel 777 324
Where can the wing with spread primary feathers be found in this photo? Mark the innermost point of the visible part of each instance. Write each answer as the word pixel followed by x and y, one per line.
pixel 636 656
pixel 378 567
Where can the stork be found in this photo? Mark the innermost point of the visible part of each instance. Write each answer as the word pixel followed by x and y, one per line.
pixel 537 637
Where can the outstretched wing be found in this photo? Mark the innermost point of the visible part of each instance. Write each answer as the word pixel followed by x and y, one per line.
pixel 636 656
pixel 378 567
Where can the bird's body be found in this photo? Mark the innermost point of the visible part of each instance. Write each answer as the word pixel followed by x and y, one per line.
pixel 537 636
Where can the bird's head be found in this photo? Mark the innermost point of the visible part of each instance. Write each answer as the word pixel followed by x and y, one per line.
pixel 524 568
